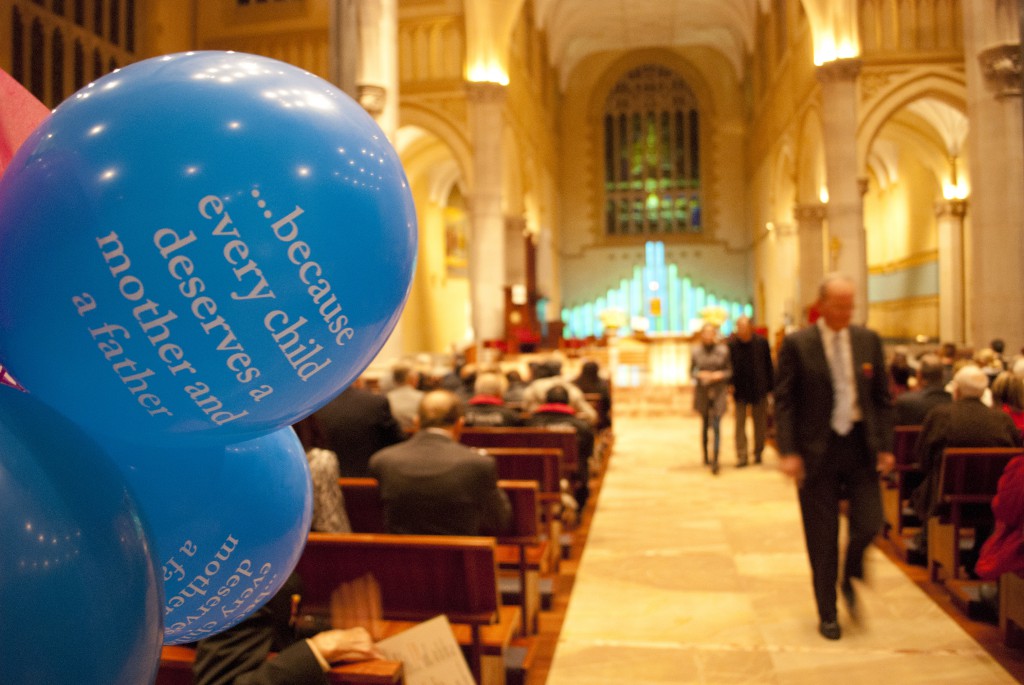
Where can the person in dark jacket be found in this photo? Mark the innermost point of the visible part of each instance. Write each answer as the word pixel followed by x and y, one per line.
pixel 591 383
pixel 753 376
pixel 913 406
pixel 432 485
pixel 238 655
pixel 354 425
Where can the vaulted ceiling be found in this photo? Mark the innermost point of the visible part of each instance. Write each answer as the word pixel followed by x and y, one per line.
pixel 579 28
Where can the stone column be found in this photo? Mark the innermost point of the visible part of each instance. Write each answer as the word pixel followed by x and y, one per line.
pixel 363 46
pixel 845 206
pixel 487 261
pixel 952 270
pixel 994 248
pixel 343 44
pixel 810 231
pixel 364 56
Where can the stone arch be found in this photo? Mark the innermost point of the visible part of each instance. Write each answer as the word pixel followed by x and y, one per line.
pixel 810 157
pixel 451 132
pixel 946 87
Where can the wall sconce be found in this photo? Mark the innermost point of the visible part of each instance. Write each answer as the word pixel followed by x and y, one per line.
pixel 955 191
pixel 490 72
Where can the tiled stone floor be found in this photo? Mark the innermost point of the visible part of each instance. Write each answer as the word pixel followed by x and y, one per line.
pixel 691 578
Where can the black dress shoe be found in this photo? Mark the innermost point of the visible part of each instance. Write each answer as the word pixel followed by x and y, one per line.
pixel 850 597
pixel 829 630
pixel 714 468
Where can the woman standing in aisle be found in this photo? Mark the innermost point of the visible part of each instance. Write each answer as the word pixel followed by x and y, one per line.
pixel 711 371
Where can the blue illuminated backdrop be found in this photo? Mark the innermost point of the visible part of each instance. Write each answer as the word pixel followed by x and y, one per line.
pixel 657 297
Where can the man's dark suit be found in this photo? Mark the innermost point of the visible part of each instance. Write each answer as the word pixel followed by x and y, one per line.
pixel 355 424
pixel 912 407
pixel 963 423
pixel 238 655
pixel 432 485
pixel 834 467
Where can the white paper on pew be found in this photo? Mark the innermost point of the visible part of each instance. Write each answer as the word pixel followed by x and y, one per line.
pixel 429 654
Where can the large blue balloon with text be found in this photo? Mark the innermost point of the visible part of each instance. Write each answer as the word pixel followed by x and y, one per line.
pixel 80 600
pixel 227 524
pixel 204 246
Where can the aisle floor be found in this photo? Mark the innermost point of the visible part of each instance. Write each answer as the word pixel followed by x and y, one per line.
pixel 691 578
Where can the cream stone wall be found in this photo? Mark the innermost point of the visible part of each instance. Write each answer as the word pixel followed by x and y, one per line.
pixel 719 258
pixel 293 32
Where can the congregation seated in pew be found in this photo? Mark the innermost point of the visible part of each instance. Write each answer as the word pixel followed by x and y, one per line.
pixel 557 411
pixel 965 422
pixel 432 485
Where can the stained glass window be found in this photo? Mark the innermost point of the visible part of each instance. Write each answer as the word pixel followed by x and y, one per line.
pixel 652 155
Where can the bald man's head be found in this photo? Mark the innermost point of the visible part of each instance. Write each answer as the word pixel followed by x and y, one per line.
pixel 440 409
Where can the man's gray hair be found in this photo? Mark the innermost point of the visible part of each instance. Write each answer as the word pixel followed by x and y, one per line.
pixel 970 382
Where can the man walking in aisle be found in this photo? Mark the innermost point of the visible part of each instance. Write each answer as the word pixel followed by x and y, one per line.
pixel 753 376
pixel 834 421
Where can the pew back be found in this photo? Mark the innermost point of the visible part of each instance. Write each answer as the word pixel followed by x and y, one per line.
pixel 906 476
pixel 366 510
pixel 420 576
pixel 970 475
pixel 541 465
pixel 968 479
pixel 560 437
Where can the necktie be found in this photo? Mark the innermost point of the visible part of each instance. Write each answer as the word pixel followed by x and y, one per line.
pixel 842 419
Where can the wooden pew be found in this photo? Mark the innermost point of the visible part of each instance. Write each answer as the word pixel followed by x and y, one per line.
pixel 541 465
pixel 516 548
pixel 176 669
pixel 897 487
pixel 420 577
pixel 1011 609
pixel 967 484
pixel 561 437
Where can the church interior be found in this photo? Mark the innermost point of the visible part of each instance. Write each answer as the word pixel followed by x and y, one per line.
pixel 602 177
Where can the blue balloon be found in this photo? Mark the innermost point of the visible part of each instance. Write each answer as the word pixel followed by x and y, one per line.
pixel 213 243
pixel 227 523
pixel 80 598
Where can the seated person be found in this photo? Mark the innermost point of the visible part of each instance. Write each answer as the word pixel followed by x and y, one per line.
pixel 516 387
pixel 913 406
pixel 1003 552
pixel 964 422
pixel 354 425
pixel 238 655
pixel 432 485
pixel 1008 395
pixel 591 383
pixel 404 398
pixel 557 411
pixel 486 407
pixel 547 375
pixel 329 514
